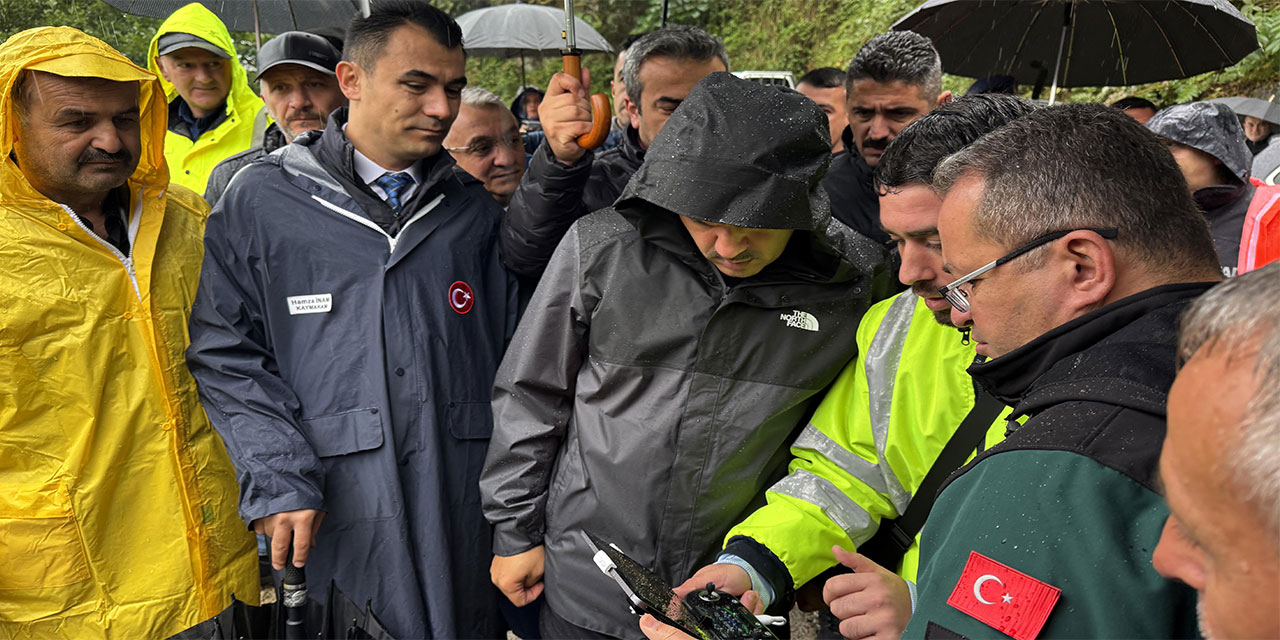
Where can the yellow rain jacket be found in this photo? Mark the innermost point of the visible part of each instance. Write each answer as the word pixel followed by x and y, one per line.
pixel 117 499
pixel 190 163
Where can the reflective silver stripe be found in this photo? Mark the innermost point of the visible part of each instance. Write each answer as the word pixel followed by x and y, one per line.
pixel 853 519
pixel 881 364
pixel 814 440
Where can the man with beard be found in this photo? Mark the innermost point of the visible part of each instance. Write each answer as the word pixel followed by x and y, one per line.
pixel 895 78
pixel 299 84
pixel 857 464
pixel 1220 466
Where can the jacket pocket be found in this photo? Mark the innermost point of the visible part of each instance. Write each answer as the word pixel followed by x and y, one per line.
pixel 343 433
pixel 470 420
pixel 45 567
pixel 360 475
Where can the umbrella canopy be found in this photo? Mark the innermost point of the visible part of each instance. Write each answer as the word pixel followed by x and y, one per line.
pixel 514 30
pixel 272 16
pixel 1260 109
pixel 1087 42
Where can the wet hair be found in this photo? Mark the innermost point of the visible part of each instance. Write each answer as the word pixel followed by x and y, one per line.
pixel 680 42
pixel 481 98
pixel 899 56
pixel 823 78
pixel 1085 165
pixel 367 37
pixel 1236 317
pixel 917 150
pixel 1134 102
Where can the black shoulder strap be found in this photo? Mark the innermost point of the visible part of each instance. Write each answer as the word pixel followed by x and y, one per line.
pixel 895 536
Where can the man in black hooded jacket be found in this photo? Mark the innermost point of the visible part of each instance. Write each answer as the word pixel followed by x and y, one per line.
pixel 675 342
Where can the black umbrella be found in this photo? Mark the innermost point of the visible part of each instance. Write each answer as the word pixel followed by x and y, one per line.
pixel 336 617
pixel 259 16
pixel 1084 42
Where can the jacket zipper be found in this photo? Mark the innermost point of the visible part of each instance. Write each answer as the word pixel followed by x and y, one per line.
pixel 127 261
pixel 391 241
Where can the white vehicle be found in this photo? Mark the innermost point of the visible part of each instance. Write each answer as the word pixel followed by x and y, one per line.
pixel 780 78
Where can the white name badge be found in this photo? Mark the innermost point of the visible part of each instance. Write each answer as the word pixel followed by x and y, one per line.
pixel 318 303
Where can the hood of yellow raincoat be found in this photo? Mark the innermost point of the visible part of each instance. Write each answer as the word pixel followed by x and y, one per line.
pixel 198 21
pixel 70 52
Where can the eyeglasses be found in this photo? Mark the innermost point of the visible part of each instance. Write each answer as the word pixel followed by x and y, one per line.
pixel 482 147
pixel 957 293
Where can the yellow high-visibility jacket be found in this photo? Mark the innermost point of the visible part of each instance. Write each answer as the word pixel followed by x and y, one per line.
pixel 117 499
pixel 191 162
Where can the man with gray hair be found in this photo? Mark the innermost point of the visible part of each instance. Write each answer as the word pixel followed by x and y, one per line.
pixel 895 78
pixel 1072 282
pixel 1220 466
pixel 485 142
pixel 564 181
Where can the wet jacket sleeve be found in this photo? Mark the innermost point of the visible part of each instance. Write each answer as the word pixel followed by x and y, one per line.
pixel 252 407
pixel 549 199
pixel 532 403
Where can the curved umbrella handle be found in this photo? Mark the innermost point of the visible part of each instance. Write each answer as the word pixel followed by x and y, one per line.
pixel 601 108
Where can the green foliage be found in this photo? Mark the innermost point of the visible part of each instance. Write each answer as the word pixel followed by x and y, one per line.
pixel 780 35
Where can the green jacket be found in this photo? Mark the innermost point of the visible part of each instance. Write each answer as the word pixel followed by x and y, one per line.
pixel 1069 498
pixel 191 162
pixel 869 445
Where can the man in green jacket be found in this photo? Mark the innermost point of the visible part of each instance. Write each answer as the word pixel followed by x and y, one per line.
pixel 885 420
pixel 1076 247
pixel 211 107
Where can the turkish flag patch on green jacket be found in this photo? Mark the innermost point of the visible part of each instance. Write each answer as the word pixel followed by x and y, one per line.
pixel 1003 598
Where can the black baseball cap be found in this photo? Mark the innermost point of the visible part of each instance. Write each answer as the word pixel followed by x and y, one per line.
pixel 298 47
pixel 170 42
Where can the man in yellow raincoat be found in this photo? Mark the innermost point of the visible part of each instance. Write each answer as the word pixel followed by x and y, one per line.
pixel 117 500
pixel 211 107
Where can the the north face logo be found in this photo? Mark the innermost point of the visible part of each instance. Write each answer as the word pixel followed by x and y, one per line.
pixel 800 320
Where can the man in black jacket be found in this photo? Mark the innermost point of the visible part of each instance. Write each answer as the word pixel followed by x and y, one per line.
pixel 677 339
pixel 895 78
pixel 564 181
pixel 1073 281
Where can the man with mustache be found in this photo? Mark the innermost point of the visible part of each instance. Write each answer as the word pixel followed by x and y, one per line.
pixel 117 514
pixel 211 107
pixel 895 78
pixel 299 84
pixel 351 315
pixel 485 142
pixel 860 464
pixel 667 355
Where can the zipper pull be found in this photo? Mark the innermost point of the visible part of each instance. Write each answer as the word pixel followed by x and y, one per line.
pixel 964 335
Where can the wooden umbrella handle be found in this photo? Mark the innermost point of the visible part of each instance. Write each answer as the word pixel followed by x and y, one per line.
pixel 601 108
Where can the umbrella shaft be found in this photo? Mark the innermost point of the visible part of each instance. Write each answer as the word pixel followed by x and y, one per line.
pixel 570 38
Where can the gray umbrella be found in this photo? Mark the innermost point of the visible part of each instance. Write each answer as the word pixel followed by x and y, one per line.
pixel 258 16
pixel 512 30
pixel 1084 43
pixel 1260 109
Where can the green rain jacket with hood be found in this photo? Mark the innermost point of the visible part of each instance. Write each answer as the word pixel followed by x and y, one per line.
pixel 649 399
pixel 191 162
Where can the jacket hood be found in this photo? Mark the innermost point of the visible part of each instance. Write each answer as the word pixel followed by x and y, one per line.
pixel 70 52
pixel 517 103
pixel 740 153
pixel 1210 127
pixel 198 21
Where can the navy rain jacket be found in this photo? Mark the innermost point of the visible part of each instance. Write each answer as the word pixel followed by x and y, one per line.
pixel 350 371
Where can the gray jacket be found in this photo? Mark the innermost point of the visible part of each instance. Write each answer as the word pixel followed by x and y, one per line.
pixel 349 371
pixel 646 398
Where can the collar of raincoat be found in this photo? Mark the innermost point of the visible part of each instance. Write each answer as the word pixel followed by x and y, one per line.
pixel 198 21
pixel 70 52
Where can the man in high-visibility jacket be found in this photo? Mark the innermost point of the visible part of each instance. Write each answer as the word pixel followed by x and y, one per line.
pixel 117 499
pixel 211 107
pixel 887 417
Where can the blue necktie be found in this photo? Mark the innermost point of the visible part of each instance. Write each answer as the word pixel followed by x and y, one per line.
pixel 394 184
